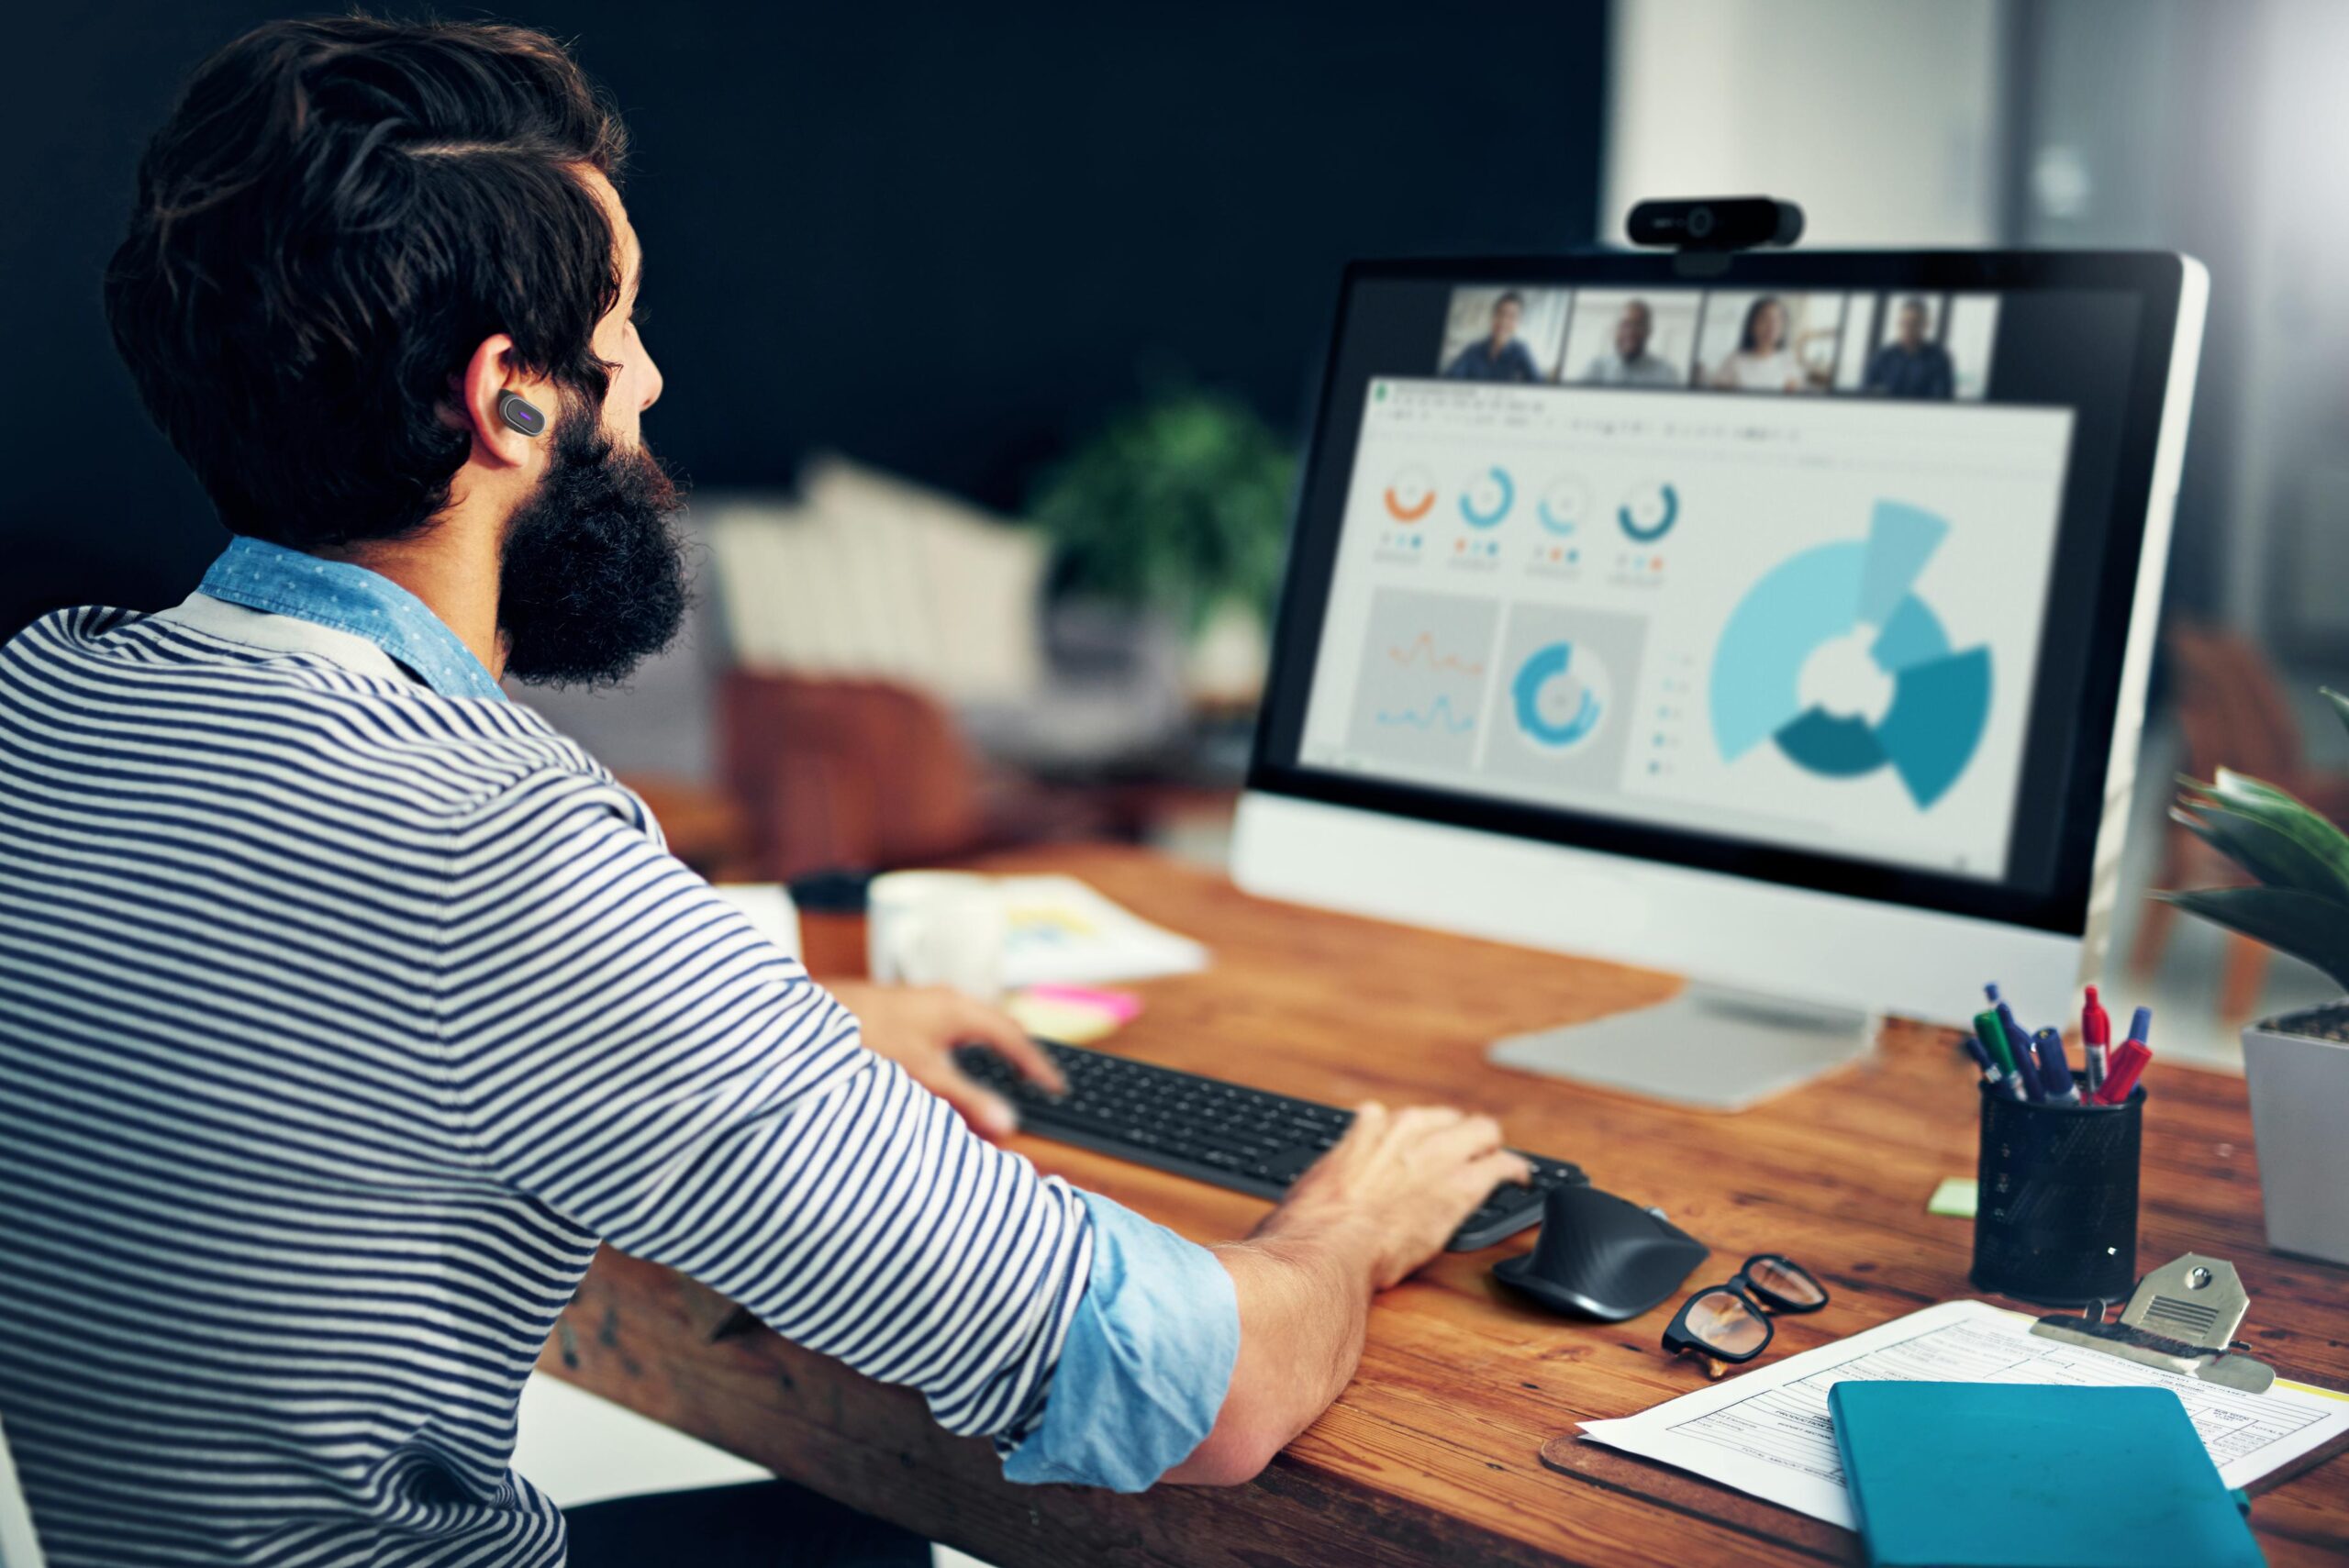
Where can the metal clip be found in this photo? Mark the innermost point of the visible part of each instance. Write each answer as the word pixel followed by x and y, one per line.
pixel 2181 1319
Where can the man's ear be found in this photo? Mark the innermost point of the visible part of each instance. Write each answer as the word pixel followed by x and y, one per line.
pixel 490 374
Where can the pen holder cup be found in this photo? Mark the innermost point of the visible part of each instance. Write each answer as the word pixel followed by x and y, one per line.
pixel 2056 1220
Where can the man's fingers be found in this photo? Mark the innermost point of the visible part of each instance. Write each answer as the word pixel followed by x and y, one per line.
pixel 974 1020
pixel 1426 1119
pixel 1468 1138
pixel 1491 1170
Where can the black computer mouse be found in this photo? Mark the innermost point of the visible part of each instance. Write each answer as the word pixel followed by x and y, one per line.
pixel 1601 1257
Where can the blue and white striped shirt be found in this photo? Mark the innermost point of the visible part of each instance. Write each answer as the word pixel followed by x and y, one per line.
pixel 340 1018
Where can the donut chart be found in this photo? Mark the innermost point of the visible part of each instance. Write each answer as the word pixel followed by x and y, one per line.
pixel 1488 498
pixel 1940 697
pixel 1558 696
pixel 1411 497
pixel 1562 506
pixel 1648 513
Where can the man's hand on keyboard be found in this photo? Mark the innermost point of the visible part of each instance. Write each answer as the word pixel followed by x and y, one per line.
pixel 918 1027
pixel 1398 1185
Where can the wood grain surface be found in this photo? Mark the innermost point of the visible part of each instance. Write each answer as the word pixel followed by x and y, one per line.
pixel 1455 1442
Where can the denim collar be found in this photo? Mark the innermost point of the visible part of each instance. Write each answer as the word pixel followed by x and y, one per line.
pixel 265 576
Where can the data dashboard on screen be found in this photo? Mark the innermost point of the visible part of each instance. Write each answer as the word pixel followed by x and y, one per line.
pixel 1818 573
pixel 1812 621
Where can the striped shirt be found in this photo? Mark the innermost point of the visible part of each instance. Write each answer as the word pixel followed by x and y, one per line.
pixel 340 1018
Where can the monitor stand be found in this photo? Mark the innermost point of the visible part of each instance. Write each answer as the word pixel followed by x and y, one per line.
pixel 1710 1047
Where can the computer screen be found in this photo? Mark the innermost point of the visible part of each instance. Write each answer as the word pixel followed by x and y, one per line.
pixel 1816 571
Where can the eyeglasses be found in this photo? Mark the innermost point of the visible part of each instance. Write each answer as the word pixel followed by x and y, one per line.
pixel 1731 1322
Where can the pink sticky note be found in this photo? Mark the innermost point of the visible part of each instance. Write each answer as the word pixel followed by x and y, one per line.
pixel 1122 1005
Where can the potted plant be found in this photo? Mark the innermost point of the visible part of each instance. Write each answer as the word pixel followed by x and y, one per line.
pixel 2297 1064
pixel 1179 508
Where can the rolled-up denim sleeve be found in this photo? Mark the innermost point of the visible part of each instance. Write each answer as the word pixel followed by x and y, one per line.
pixel 1145 1365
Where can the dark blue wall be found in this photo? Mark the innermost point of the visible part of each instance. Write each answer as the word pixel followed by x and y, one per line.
pixel 945 239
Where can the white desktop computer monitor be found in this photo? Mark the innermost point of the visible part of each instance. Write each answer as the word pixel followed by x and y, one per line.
pixel 1782 620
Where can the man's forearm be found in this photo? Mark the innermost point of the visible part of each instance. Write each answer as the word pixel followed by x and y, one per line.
pixel 1304 1298
pixel 1375 1208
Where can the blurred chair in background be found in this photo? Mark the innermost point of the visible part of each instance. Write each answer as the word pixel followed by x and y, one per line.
pixel 871 678
pixel 836 772
pixel 2232 711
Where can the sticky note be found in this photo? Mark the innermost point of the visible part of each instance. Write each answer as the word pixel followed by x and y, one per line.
pixel 1955 1197
pixel 1122 1005
pixel 1073 1016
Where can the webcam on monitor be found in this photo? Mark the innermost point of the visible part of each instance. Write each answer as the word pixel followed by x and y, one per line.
pixel 1714 223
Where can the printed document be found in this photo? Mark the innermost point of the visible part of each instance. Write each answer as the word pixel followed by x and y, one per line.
pixel 1060 932
pixel 1767 1431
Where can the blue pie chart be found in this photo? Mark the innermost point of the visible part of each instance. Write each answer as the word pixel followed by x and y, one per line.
pixel 1940 697
pixel 1558 696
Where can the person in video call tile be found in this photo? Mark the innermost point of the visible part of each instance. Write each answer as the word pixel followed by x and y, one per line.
pixel 1763 360
pixel 1500 357
pixel 1909 366
pixel 1629 363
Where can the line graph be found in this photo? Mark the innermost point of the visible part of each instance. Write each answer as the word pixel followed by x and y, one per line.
pixel 1434 714
pixel 1423 648
pixel 1427 659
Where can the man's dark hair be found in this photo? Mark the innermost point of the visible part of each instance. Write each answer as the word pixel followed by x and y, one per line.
pixel 336 214
pixel 1510 298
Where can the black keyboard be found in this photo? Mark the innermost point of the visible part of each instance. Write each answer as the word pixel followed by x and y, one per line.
pixel 1225 1134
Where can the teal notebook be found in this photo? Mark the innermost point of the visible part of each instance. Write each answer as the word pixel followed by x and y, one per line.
pixel 2033 1475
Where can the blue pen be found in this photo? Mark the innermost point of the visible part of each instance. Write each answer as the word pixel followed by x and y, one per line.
pixel 1990 1074
pixel 2055 1072
pixel 2019 1044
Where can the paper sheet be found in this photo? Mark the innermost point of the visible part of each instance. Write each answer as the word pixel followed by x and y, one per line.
pixel 1767 1431
pixel 1061 931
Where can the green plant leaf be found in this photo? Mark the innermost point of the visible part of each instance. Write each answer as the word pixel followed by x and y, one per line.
pixel 2310 929
pixel 1180 504
pixel 2263 803
pixel 2271 856
pixel 2340 703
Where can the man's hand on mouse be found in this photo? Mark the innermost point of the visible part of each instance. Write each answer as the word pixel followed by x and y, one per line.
pixel 1398 1185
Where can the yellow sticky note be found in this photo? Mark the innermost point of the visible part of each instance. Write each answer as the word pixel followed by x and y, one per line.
pixel 1069 1023
pixel 1956 1197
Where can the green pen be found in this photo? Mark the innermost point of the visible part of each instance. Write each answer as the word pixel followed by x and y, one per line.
pixel 1988 1030
pixel 1994 1039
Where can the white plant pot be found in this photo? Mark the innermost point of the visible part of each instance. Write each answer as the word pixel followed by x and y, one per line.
pixel 2297 1068
pixel 1228 655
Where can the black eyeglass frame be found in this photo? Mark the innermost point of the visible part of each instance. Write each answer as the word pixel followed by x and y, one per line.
pixel 1761 1299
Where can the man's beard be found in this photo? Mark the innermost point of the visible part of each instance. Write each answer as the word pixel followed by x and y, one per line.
pixel 593 577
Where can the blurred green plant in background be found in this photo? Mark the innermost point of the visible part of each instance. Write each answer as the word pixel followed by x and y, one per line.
pixel 1180 504
pixel 2297 860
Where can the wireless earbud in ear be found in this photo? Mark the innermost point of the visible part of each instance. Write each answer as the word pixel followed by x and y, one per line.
pixel 521 413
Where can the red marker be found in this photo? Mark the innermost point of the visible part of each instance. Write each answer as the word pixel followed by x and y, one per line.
pixel 2096 1034
pixel 2129 1060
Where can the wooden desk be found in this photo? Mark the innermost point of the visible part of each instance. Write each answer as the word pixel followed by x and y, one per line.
pixel 1454 1442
